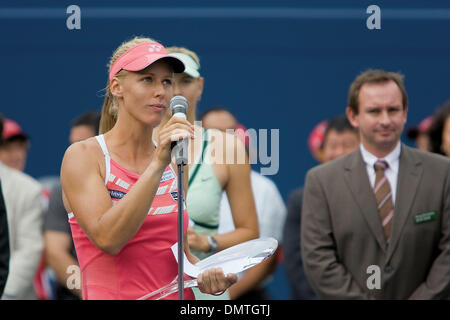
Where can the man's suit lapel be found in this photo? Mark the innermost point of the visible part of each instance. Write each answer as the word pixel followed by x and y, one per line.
pixel 409 175
pixel 356 177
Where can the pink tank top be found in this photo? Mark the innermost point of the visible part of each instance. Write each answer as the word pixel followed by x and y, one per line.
pixel 146 262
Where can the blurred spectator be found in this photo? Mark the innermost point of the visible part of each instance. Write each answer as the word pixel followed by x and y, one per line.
pixel 218 117
pixel 4 235
pixel 59 248
pixel 15 145
pixel 339 138
pixel 23 201
pixel 420 134
pixel 210 175
pixel 270 209
pixel 440 130
pixel 13 153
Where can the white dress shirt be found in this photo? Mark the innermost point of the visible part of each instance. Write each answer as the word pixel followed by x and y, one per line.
pixel 391 172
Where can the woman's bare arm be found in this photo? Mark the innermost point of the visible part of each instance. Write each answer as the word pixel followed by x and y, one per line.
pixel 240 197
pixel 109 227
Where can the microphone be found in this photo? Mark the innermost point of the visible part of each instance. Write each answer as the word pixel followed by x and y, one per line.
pixel 178 106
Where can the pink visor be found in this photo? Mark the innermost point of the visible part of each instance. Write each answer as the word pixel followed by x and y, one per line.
pixel 141 56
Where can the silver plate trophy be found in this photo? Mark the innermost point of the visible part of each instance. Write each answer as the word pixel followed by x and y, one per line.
pixel 235 259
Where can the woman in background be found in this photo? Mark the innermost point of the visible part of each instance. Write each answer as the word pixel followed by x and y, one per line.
pixel 210 174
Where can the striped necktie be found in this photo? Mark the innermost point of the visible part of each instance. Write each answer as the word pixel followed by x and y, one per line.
pixel 383 196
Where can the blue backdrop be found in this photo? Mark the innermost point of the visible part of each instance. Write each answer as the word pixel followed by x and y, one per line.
pixel 283 65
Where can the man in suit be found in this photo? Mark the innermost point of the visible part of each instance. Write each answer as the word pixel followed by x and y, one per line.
pixel 376 222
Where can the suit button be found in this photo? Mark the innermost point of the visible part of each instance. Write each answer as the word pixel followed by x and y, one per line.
pixel 388 269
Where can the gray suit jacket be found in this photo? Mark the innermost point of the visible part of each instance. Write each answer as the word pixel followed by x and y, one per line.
pixel 300 287
pixel 342 236
pixel 23 200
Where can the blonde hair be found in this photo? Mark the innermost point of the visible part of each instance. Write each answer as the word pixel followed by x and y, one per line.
pixel 110 109
pixel 190 53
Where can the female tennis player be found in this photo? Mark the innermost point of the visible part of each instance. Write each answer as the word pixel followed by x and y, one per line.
pixel 120 187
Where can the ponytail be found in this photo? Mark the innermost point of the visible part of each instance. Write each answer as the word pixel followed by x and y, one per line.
pixel 110 112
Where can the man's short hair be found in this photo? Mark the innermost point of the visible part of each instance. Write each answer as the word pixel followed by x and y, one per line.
pixel 89 118
pixel 374 76
pixel 340 124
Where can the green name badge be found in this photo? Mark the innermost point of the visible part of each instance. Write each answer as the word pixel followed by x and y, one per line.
pixel 424 217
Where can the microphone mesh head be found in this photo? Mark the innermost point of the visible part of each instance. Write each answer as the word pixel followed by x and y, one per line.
pixel 178 104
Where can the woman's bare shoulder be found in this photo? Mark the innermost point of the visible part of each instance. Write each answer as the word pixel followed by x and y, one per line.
pixel 82 153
